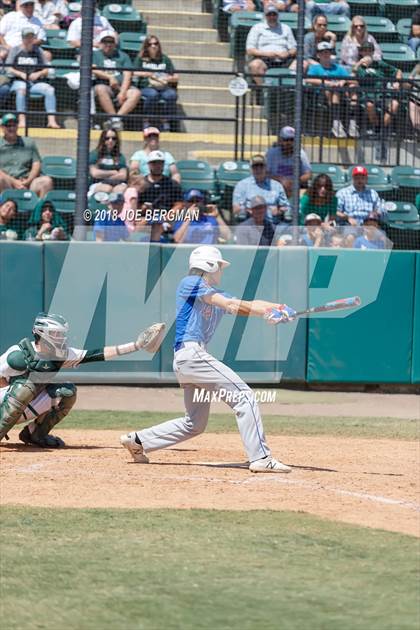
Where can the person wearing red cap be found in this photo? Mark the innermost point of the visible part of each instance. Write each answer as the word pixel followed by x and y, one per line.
pixel 357 201
pixel 139 167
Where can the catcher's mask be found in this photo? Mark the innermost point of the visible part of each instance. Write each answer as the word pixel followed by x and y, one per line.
pixel 52 331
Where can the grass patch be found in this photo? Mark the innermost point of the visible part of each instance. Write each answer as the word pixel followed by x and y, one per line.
pixel 275 425
pixel 202 569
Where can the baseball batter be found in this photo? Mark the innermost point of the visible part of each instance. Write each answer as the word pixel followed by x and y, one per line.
pixel 200 307
pixel 29 367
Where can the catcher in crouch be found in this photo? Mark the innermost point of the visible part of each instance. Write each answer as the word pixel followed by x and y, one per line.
pixel 29 367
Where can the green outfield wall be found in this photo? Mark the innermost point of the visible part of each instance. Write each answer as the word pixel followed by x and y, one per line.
pixel 109 291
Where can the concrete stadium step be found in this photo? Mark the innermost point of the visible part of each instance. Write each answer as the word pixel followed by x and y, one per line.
pixel 218 110
pixel 193 19
pixel 218 126
pixel 200 49
pixel 205 80
pixel 192 93
pixel 187 62
pixel 188 34
pixel 176 5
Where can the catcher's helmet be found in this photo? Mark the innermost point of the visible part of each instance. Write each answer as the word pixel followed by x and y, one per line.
pixel 52 331
pixel 207 258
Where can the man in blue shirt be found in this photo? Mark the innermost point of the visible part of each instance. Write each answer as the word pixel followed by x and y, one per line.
pixel 108 226
pixel 202 224
pixel 372 237
pixel 280 160
pixel 356 202
pixel 200 305
pixel 329 74
pixel 259 184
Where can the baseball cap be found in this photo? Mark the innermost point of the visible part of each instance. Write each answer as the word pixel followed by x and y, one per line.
pixel 116 198
pixel 271 8
pixel 8 118
pixel 257 159
pixel 372 216
pixel 26 2
pixel 28 30
pixel 324 46
pixel 193 193
pixel 105 34
pixel 287 133
pixel 156 156
pixel 312 216
pixel 359 170
pixel 258 200
pixel 150 131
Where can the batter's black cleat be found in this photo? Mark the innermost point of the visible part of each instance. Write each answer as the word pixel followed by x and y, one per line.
pixel 48 441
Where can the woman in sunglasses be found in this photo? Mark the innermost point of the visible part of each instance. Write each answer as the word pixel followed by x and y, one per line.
pixel 357 35
pixel 107 165
pixel 157 81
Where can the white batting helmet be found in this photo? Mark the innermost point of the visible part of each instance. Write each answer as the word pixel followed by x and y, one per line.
pixel 52 330
pixel 207 258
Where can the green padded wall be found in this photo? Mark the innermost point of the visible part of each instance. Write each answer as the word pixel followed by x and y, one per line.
pixel 416 330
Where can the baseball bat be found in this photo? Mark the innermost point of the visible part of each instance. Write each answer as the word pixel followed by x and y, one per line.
pixel 335 305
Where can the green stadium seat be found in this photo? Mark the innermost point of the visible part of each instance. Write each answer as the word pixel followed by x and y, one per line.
pixel 102 3
pixel 407 180
pixel 377 178
pixel 131 42
pixel 60 47
pixel 61 168
pixel 398 9
pixel 401 212
pixel 64 200
pixel 404 29
pixel 338 176
pixel 26 200
pixel 124 17
pixel 228 175
pixel 381 28
pixel 197 174
pixel 399 55
pixel 364 7
pixel 338 24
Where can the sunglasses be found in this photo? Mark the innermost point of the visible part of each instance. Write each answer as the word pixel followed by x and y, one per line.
pixel 108 41
pixel 272 13
pixel 359 26
pixel 153 44
pixel 110 137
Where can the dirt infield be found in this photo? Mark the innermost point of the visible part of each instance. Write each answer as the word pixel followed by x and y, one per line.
pixel 369 482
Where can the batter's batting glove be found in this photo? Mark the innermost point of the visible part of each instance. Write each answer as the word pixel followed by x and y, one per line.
pixel 281 314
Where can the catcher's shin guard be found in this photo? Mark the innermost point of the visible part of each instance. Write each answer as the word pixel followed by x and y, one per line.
pixel 20 394
pixel 37 431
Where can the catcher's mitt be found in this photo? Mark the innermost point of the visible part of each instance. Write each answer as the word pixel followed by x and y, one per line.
pixel 151 338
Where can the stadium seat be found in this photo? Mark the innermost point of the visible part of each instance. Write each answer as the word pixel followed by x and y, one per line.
pixel 63 200
pixel 26 200
pixel 123 18
pixel 407 180
pixel 381 28
pixel 61 168
pixel 398 55
pixel 131 42
pixel 377 178
pixel 59 46
pixel 404 29
pixel 338 24
pixel 396 9
pixel 279 104
pixel 364 7
pixel 197 174
pixel 338 176
pixel 401 212
pixel 228 175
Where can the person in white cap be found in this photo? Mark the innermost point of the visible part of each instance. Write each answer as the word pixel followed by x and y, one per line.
pixel 232 6
pixel 280 161
pixel 139 167
pixel 100 24
pixel 12 24
pixel 200 306
pixel 270 44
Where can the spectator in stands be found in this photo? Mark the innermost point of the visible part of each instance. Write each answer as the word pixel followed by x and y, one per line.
pixel 357 35
pixel 27 63
pixel 139 166
pixel 334 7
pixel 20 162
pixel 319 33
pixel 4 80
pixel 257 229
pixel 109 226
pixel 357 201
pixel 280 161
pixel 375 79
pixel 313 234
pixel 107 165
pixel 203 223
pixel 113 87
pixel 414 41
pixel 6 6
pixel 160 192
pixel 414 102
pixel 231 6
pixel 372 237
pixel 51 12
pixel 329 74
pixel 45 224
pixel 158 82
pixel 259 183
pixel 319 199
pixel 282 5
pixel 270 44
pixel 8 227
pixel 12 24
pixel 100 24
